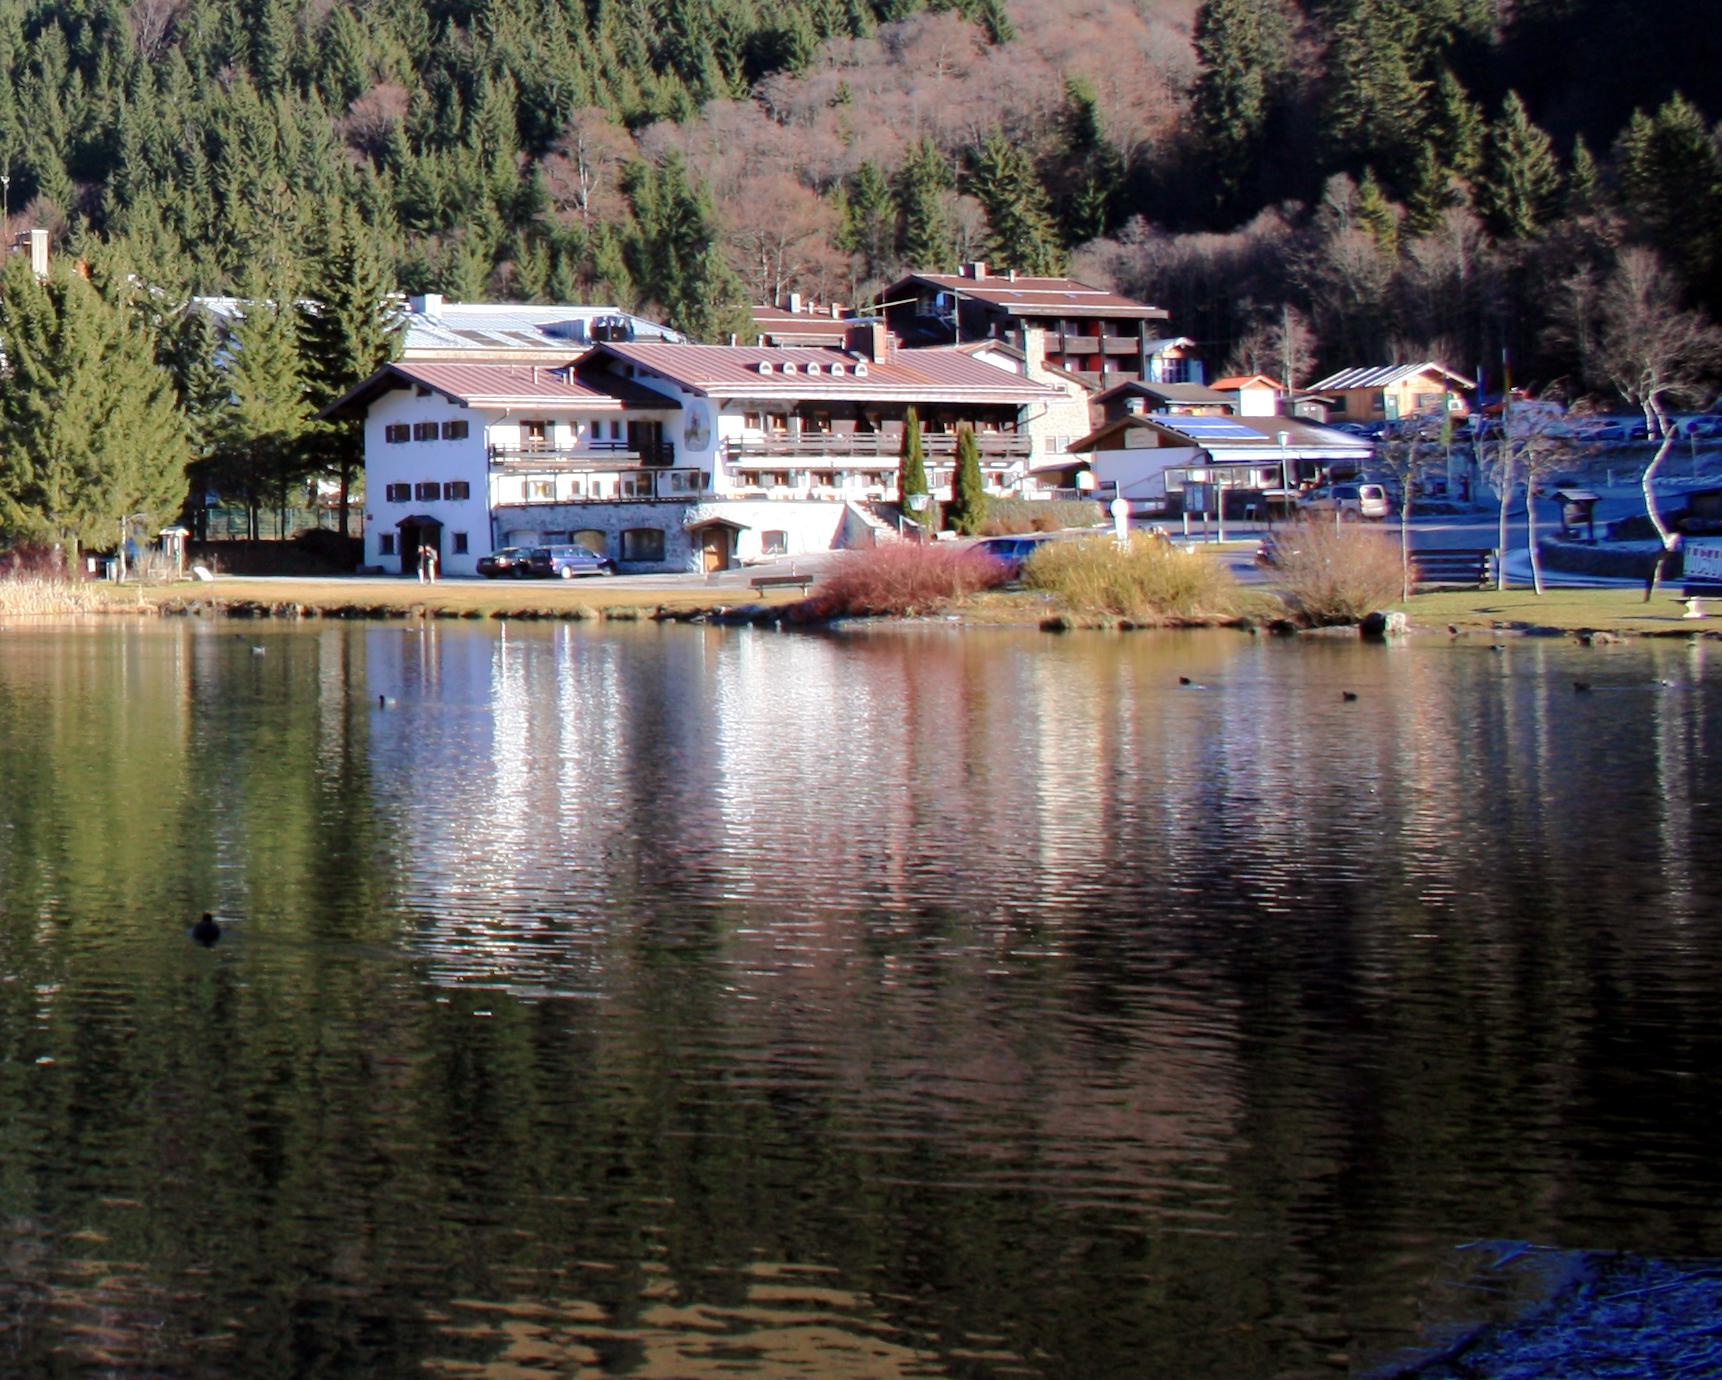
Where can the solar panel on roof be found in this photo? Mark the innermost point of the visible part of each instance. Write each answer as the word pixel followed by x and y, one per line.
pixel 1212 426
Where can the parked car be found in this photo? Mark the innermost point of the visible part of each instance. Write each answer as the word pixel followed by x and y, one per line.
pixel 1010 552
pixel 505 560
pixel 1350 501
pixel 566 562
pixel 1693 427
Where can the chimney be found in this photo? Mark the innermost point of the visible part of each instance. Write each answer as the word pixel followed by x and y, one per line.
pixel 976 270
pixel 1033 342
pixel 1013 275
pixel 869 339
pixel 427 304
pixel 795 304
pixel 836 311
pixel 37 243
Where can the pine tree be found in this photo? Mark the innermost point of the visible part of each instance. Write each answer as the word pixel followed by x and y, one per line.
pixel 1377 215
pixel 1095 166
pixel 1521 181
pixel 348 329
pixel 1584 183
pixel 260 438
pixel 869 222
pixel 89 431
pixel 1456 128
pixel 1241 53
pixel 1429 194
pixel 1670 174
pixel 912 472
pixel 673 252
pixel 968 507
pixel 1374 109
pixel 1021 232
pixel 928 239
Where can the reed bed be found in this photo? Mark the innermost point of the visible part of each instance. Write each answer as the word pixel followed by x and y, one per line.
pixel 25 595
pixel 904 578
pixel 1146 580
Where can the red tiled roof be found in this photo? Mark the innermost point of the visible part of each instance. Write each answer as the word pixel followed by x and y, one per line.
pixel 812 372
pixel 1036 296
pixel 501 385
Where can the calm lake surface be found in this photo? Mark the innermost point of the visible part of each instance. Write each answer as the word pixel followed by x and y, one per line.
pixel 677 1002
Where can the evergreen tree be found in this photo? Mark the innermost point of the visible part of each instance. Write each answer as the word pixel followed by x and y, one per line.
pixel 968 507
pixel 1521 181
pixel 1670 174
pixel 673 252
pixel 912 472
pixel 1377 215
pixel 261 450
pixel 1584 183
pixel 1241 53
pixel 928 239
pixel 869 221
pixel 1021 231
pixel 1430 193
pixel 1456 128
pixel 89 431
pixel 1374 109
pixel 348 329
pixel 1093 164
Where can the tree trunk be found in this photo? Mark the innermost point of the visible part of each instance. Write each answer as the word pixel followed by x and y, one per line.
pixel 1405 540
pixel 346 481
pixel 1648 485
pixel 1531 534
pixel 1506 496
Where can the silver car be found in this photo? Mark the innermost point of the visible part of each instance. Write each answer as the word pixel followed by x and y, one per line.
pixel 1350 501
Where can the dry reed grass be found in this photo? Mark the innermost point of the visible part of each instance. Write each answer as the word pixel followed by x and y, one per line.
pixel 1337 573
pixel 23 595
pixel 903 578
pixel 1149 579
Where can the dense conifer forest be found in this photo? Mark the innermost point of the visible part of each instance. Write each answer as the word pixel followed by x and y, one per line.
pixel 1342 183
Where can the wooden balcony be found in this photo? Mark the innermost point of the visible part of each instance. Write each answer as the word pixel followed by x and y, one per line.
pixel 824 447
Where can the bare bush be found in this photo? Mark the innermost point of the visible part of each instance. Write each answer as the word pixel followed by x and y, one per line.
pixel 1149 579
pixel 1337 573
pixel 37 594
pixel 904 578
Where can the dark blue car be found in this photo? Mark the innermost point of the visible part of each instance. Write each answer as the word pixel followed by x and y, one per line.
pixel 566 562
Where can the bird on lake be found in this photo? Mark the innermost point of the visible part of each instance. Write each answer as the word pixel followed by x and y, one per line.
pixel 384 701
pixel 1348 695
pixel 1580 686
pixel 1496 647
pixel 206 931
pixel 1185 680
pixel 258 651
pixel 1452 630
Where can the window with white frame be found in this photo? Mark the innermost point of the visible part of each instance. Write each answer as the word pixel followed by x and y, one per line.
pixel 643 544
pixel 774 543
pixel 540 490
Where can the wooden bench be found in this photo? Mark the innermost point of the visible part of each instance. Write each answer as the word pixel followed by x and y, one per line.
pixel 1462 565
pixel 800 582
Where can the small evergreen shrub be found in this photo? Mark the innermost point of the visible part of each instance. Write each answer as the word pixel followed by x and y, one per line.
pixel 1147 580
pixel 903 578
pixel 1336 573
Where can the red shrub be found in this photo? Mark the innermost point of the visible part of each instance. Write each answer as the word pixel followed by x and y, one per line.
pixel 904 578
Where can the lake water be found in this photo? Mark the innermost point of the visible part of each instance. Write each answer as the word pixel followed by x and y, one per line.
pixel 679 1002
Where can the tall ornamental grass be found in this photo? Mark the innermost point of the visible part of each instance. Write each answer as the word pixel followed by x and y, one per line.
pixel 1337 573
pixel 1146 580
pixel 903 578
pixel 39 594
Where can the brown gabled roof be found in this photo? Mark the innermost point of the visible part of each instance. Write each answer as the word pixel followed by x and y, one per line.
pixel 501 385
pixel 1035 296
pixel 811 373
pixel 1186 393
pixel 1236 381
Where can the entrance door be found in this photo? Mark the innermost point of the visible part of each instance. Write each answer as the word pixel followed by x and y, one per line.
pixel 409 548
pixel 714 548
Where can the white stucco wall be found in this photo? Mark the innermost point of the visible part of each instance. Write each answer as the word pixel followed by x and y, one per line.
pixel 422 462
pixel 805 526
pixel 1140 472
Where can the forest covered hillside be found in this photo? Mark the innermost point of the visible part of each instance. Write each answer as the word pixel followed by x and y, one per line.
pixel 1336 183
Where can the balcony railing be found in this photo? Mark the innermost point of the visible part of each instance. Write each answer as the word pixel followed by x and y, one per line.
pixel 810 446
pixel 632 484
pixel 593 455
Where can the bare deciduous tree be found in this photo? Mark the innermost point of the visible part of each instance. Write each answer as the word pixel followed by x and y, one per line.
pixel 1655 355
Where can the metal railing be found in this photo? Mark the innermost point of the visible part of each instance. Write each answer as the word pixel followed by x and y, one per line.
pixel 593 455
pixel 812 445
pixel 636 484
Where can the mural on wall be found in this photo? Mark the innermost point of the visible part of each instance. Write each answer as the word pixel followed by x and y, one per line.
pixel 698 433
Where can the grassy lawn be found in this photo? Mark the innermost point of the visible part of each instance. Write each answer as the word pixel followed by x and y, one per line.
pixel 539 596
pixel 1618 609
